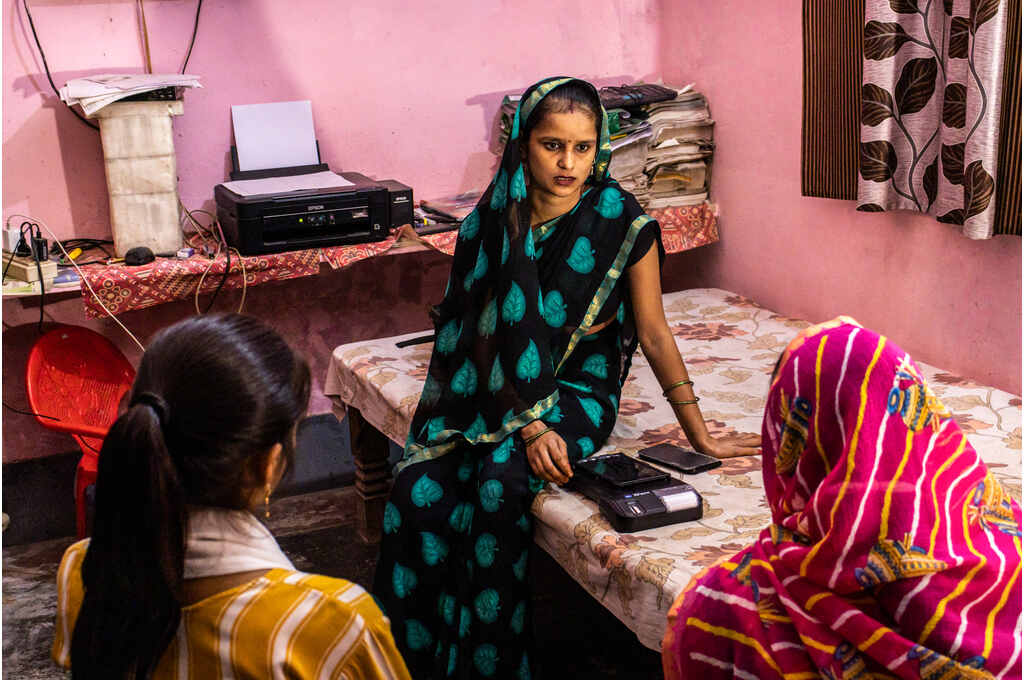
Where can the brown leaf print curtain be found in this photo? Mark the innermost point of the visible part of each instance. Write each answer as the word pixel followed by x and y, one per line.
pixel 930 109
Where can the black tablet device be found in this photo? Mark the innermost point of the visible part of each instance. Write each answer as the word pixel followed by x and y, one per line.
pixel 689 462
pixel 620 470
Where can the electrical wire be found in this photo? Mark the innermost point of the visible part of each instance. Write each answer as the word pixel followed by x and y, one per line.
pixel 84 279
pixel 227 267
pixel 195 30
pixel 46 67
pixel 28 413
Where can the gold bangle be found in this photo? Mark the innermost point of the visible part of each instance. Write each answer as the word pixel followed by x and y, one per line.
pixel 683 402
pixel 675 385
pixel 534 437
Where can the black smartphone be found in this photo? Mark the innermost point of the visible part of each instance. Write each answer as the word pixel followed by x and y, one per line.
pixel 685 460
pixel 620 470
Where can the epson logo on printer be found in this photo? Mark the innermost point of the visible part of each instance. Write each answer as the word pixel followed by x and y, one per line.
pixel 400 199
pixel 314 207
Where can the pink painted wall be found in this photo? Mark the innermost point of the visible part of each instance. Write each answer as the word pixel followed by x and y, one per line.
pixel 399 89
pixel 949 301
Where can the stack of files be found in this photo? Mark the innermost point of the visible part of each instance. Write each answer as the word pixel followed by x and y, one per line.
pixel 506 114
pixel 451 208
pixel 672 166
pixel 95 92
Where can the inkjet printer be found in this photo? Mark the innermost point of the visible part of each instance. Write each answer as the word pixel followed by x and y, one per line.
pixel 271 211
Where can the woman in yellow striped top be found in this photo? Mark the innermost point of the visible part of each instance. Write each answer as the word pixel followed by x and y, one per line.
pixel 180 580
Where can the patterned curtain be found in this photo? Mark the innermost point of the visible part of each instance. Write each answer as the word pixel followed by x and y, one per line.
pixel 930 109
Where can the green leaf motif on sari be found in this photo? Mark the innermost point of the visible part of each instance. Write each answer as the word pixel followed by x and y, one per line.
pixel 596 365
pixel 485 548
pixel 478 428
pixel 509 415
pixel 528 366
pixel 581 259
pixel 392 518
pixel 523 522
pixel 488 319
pixel 446 608
pixel 490 495
pixel 465 619
pixel 465 469
pixel 593 410
pixel 503 451
pixel 518 618
pixel 615 402
pixel 453 654
pixel 514 307
pixel 505 247
pixel 609 205
pixel 417 636
pixel 519 568
pixel 579 387
pixel 464 380
pixel 461 517
pixel 403 580
pixel 554 415
pixel 586 446
pixel 518 188
pixel 479 270
pixel 426 491
pixel 524 668
pixel 435 549
pixel 487 604
pixel 528 245
pixel 553 309
pixel 448 337
pixel 431 391
pixel 434 428
pixel 535 483
pixel 497 379
pixel 485 659
pixel 470 226
pixel 499 195
pixel 620 315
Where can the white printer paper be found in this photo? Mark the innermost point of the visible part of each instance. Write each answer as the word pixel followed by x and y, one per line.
pixel 278 135
pixel 274 185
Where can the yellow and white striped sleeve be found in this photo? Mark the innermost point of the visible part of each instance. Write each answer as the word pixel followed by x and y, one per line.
pixel 69 600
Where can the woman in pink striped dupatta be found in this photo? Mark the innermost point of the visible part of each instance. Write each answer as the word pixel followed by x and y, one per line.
pixel 893 552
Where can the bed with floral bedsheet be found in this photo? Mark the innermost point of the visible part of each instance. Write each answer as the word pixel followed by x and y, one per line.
pixel 730 345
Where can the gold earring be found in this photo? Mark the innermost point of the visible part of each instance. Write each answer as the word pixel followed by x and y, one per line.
pixel 266 504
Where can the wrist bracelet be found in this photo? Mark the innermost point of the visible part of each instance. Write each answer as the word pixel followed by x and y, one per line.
pixel 532 438
pixel 675 385
pixel 683 402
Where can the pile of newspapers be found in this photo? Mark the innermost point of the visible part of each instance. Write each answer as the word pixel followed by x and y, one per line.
pixel 95 92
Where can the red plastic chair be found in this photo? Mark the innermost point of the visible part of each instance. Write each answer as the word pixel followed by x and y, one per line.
pixel 77 375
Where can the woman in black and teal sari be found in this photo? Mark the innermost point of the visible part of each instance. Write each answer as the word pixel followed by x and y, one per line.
pixel 533 343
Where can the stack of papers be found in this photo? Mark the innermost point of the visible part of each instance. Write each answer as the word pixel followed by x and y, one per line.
pixel 669 166
pixel 95 92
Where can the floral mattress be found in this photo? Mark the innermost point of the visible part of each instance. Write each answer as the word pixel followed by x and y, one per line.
pixel 730 345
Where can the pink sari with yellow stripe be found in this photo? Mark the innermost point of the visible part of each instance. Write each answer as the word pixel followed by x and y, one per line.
pixel 892 554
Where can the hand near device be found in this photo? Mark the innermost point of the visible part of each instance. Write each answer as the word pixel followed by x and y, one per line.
pixel 733 445
pixel 547 453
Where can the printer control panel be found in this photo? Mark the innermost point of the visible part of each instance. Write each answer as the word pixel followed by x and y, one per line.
pixel 294 221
